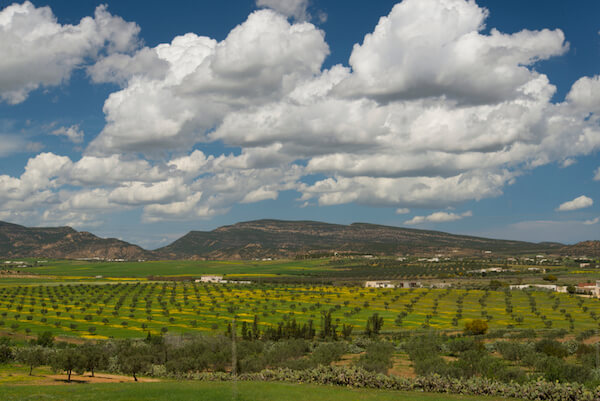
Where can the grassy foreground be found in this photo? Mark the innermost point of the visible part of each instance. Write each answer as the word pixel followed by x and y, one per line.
pixel 200 391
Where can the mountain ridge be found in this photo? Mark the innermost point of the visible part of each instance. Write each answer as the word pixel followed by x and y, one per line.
pixel 285 238
pixel 271 238
pixel 18 241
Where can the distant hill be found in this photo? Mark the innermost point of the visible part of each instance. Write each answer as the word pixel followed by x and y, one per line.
pixel 63 243
pixel 271 238
pixel 584 248
pixel 277 238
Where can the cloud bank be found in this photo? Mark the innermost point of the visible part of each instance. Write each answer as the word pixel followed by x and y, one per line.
pixel 430 112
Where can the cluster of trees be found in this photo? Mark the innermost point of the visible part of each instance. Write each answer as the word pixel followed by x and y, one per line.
pixel 291 329
pixel 184 355
pixel 519 361
pixel 129 356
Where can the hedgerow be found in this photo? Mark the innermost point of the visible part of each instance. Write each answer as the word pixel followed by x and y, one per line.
pixel 356 377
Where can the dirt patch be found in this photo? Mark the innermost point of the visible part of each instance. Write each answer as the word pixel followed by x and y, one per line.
pixel 82 379
pixel 592 340
pixel 99 378
pixel 347 359
pixel 402 367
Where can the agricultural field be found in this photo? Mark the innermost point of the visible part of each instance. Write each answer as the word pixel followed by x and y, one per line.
pixel 323 270
pixel 88 270
pixel 131 310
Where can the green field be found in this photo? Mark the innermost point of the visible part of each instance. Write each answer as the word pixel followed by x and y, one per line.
pixel 74 269
pixel 349 270
pixel 197 391
pixel 129 310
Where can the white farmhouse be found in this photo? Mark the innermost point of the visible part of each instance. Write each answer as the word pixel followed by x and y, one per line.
pixel 211 279
pixel 379 284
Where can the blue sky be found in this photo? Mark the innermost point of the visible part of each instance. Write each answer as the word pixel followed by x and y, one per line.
pixel 144 120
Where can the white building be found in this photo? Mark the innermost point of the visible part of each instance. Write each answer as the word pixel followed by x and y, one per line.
pixel 441 285
pixel 592 289
pixel 379 284
pixel 409 284
pixel 550 287
pixel 211 279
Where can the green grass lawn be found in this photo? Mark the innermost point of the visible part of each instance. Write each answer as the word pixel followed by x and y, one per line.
pixel 200 391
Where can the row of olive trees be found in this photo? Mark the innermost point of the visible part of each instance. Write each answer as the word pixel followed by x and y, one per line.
pixel 131 357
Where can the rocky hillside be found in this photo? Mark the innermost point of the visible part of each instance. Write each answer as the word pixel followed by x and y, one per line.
pixel 591 249
pixel 276 238
pixel 63 242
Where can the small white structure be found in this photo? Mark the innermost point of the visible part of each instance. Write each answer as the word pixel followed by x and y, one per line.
pixel 409 284
pixel 441 285
pixel 379 284
pixel 550 287
pixel 488 270
pixel 211 279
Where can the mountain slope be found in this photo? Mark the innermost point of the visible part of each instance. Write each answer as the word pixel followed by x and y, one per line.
pixel 270 238
pixel 277 238
pixel 63 242
pixel 584 248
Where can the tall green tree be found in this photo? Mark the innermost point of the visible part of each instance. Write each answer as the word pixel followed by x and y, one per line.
pixel 93 357
pixel 32 356
pixel 68 360
pixel 374 325
pixel 133 358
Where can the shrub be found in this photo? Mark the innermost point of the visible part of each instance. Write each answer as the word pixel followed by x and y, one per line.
pixel 377 358
pixel 513 351
pixel 476 327
pixel 45 339
pixel 326 353
pixel 462 344
pixel 551 348
pixel 6 353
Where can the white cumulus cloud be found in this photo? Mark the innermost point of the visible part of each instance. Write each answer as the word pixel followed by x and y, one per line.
pixel 577 203
pixel 432 48
pixel 72 133
pixel 438 217
pixel 201 80
pixel 39 51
